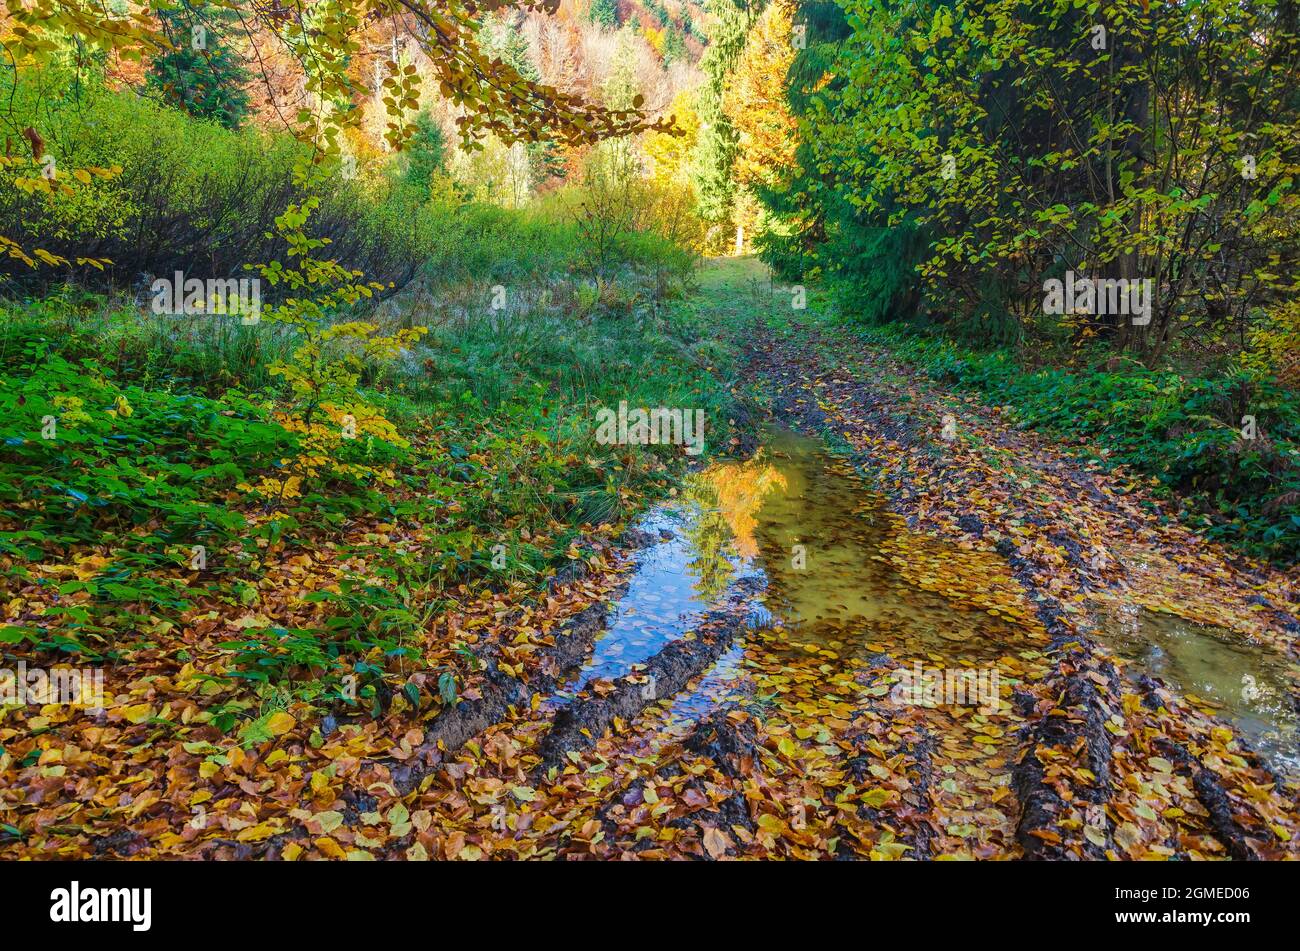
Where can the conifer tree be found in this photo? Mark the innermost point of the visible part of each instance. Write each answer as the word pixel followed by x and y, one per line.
pixel 202 74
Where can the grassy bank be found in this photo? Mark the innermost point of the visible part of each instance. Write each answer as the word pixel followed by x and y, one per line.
pixel 280 510
pixel 1186 431
pixel 121 453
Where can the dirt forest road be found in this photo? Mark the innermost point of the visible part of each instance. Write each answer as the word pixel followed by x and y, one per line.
pixel 899 628
pixel 774 724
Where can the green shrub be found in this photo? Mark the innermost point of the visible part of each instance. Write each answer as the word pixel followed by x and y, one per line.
pixel 193 196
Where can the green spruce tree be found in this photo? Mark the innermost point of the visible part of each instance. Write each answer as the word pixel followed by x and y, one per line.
pixel 604 13
pixel 674 46
pixel 201 75
pixel 716 148
pixel 425 155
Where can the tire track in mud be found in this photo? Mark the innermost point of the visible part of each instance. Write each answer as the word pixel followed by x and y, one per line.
pixel 1039 801
pixel 727 740
pixel 498 694
pixel 501 692
pixel 579 724
pixel 502 698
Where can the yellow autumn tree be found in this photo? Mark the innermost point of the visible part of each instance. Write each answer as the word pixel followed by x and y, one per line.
pixel 670 155
pixel 675 205
pixel 755 100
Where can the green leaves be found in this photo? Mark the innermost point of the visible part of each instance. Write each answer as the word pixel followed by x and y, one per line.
pixel 1016 145
pixel 447 687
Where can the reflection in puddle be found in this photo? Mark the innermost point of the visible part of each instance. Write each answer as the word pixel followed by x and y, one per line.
pixel 1245 684
pixel 838 568
pixel 672 587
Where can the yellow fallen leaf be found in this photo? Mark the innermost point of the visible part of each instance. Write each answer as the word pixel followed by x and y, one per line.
pixel 138 713
pixel 876 797
pixel 263 830
pixel 326 821
pixel 716 842
pixel 329 848
pixel 280 723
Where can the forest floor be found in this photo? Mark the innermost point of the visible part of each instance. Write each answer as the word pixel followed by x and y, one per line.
pixel 722 679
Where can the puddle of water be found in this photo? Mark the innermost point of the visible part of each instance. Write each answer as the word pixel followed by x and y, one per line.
pixel 853 602
pixel 1246 684
pixel 668 592
pixel 829 552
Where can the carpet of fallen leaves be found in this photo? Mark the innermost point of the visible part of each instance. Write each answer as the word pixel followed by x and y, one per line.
pixel 798 753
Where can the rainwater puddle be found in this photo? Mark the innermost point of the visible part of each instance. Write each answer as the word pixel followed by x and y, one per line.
pixel 848 585
pixel 844 578
pixel 1245 684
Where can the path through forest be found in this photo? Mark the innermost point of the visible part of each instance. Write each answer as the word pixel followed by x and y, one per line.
pixel 900 627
